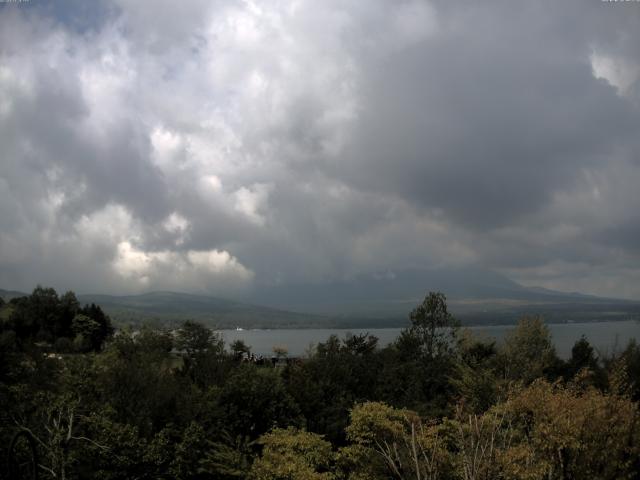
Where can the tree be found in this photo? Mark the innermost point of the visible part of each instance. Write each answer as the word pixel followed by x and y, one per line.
pixel 229 458
pixel 203 355
pixel 255 400
pixel 194 338
pixel 583 358
pixel 34 318
pixel 432 326
pixel 136 377
pixel 326 386
pixel 105 331
pixel 329 348
pixel 560 433
pixel 480 440
pixel 239 347
pixel 418 368
pixel 390 442
pixel 87 333
pixel 528 352
pixel 59 429
pixel 44 310
pixel 624 370
pixel 126 454
pixel 68 308
pixel 293 454
pixel 45 317
pixel 475 372
pixel 363 344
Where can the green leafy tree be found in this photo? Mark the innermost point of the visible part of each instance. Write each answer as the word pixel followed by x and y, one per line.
pixel 560 433
pixel 228 458
pixel 293 454
pixel 86 331
pixel 433 328
pixel 203 355
pixel 105 331
pixel 137 378
pixel 623 370
pixel 418 367
pixel 175 452
pixel 43 307
pixel 57 426
pixel 583 358
pixel 255 400
pixel 68 308
pixel 387 442
pixel 194 338
pixel 204 359
pixel 362 344
pixel 528 352
pixel 239 347
pixel 33 318
pixel 476 371
pixel 119 450
pixel 479 441
pixel 44 318
pixel 327 385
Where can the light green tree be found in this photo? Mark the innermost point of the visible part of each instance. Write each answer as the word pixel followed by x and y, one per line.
pixel 389 442
pixel 559 433
pixel 528 351
pixel 292 454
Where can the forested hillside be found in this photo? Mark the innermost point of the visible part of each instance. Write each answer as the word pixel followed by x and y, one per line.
pixel 438 403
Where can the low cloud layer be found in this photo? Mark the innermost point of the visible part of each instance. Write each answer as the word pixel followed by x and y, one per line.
pixel 219 146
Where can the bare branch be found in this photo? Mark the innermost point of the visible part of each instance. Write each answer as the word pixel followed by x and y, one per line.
pixel 90 441
pixel 47 469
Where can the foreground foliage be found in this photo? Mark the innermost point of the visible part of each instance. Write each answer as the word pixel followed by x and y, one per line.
pixel 439 403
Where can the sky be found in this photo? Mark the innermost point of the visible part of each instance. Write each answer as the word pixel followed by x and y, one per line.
pixel 219 146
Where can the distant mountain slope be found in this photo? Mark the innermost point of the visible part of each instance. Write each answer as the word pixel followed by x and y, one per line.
pixel 7 295
pixel 396 293
pixel 383 299
pixel 172 307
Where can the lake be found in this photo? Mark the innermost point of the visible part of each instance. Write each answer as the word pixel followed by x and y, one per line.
pixel 606 337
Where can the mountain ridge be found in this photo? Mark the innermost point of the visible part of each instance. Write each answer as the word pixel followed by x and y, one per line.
pixel 368 300
pixel 382 294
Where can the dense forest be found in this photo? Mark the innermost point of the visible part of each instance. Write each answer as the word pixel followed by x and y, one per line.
pixel 438 403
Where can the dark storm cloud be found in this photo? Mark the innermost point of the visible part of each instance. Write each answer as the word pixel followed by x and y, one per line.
pixel 49 123
pixel 487 123
pixel 77 15
pixel 210 146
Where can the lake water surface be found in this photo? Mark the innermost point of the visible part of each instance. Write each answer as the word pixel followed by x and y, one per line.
pixel 604 336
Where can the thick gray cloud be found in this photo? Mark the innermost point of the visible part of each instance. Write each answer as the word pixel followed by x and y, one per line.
pixel 219 146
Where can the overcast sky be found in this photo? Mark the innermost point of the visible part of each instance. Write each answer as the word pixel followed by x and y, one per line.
pixel 212 146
